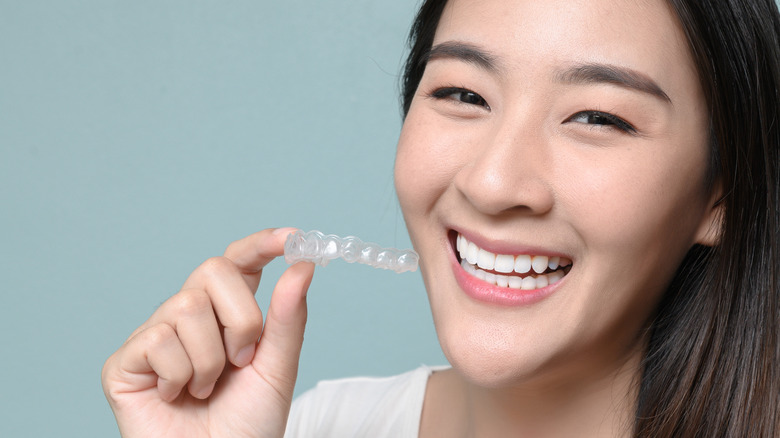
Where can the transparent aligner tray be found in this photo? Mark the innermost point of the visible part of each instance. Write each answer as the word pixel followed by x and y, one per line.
pixel 319 248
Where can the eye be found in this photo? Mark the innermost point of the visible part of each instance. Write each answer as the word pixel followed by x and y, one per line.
pixel 602 119
pixel 460 95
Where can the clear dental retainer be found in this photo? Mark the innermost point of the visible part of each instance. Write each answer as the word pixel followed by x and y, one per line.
pixel 319 248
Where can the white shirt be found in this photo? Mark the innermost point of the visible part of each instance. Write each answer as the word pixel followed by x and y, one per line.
pixel 361 407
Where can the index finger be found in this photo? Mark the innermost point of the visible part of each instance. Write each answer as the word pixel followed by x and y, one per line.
pixel 252 253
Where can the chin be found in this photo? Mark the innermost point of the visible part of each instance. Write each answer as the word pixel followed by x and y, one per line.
pixel 490 355
pixel 488 370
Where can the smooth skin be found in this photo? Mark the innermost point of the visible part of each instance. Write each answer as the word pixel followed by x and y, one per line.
pixel 196 367
pixel 521 138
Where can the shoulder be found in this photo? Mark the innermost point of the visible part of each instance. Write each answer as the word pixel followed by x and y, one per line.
pixel 361 406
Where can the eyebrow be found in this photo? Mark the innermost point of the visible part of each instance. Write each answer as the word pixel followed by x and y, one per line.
pixel 611 74
pixel 591 73
pixel 461 51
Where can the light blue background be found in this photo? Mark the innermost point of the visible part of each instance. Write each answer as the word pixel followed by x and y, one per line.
pixel 139 138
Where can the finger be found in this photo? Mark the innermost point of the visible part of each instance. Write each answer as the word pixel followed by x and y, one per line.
pixel 252 253
pixel 279 348
pixel 154 357
pixel 233 303
pixel 199 334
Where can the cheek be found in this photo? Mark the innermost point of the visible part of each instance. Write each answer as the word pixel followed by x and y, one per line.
pixel 406 167
pixel 646 210
pixel 423 166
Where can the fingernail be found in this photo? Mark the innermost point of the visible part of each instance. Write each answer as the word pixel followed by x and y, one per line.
pixel 285 230
pixel 245 356
pixel 205 392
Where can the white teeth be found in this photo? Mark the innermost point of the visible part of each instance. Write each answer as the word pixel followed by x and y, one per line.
pixel 522 264
pixel 504 263
pixel 554 277
pixel 467 267
pixel 539 263
pixel 472 255
pixel 486 259
pixel 529 283
pixel 515 282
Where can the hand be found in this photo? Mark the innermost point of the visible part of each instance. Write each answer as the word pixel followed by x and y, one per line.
pixel 196 367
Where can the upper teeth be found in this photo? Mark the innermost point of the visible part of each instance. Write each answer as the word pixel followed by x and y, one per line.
pixel 505 263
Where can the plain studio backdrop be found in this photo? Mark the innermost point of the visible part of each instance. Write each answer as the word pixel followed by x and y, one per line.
pixel 139 138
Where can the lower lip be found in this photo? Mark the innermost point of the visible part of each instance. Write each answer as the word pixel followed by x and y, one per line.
pixel 503 296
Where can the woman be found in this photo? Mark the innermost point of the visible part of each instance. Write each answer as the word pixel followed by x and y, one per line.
pixel 593 191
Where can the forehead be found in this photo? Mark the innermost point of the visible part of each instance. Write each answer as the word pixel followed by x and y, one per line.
pixel 644 35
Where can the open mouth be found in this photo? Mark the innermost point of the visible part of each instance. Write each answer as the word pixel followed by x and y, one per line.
pixel 515 271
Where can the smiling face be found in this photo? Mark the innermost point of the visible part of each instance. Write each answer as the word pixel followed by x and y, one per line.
pixel 569 134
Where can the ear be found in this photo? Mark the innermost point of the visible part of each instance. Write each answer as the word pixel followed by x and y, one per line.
pixel 711 225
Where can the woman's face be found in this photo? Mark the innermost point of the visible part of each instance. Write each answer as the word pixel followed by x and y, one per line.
pixel 542 132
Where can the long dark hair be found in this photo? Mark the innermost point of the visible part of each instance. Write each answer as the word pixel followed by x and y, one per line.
pixel 712 367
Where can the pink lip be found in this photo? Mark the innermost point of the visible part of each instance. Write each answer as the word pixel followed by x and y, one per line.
pixel 503 296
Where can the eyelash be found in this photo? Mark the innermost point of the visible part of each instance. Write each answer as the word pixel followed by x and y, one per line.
pixel 450 92
pixel 600 118
pixel 606 120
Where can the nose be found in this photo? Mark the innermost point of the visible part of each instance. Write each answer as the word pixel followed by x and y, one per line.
pixel 508 171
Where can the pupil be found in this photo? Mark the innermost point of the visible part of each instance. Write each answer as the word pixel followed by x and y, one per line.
pixel 470 98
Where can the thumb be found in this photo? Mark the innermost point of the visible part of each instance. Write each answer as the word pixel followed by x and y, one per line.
pixel 279 348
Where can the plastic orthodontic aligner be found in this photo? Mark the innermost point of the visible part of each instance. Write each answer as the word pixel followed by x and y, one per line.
pixel 319 248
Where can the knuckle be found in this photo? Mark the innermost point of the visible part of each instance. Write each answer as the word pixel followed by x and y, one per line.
pixel 158 334
pixel 248 324
pixel 108 367
pixel 232 247
pixel 192 302
pixel 217 266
